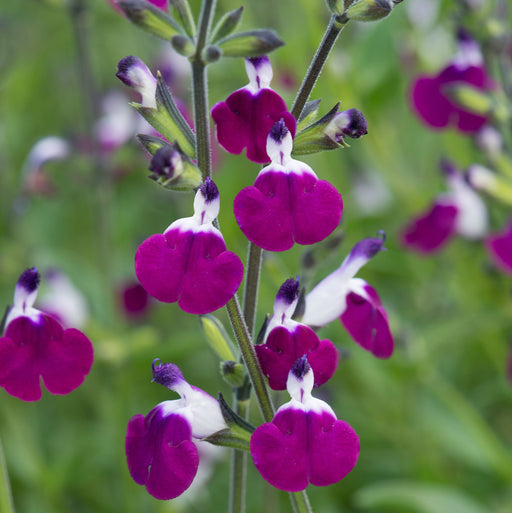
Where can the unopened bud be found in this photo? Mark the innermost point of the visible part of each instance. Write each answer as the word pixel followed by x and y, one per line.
pixel 211 53
pixel 217 337
pixel 233 373
pixel 183 45
pixel 370 10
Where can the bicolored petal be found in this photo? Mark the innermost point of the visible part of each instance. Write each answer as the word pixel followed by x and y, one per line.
pixel 246 117
pixel 287 203
pixel 366 320
pixel 33 350
pixel 430 231
pixel 160 452
pixel 304 443
pixel 499 249
pixel 135 74
pixel 285 345
pixel 327 301
pixel 189 263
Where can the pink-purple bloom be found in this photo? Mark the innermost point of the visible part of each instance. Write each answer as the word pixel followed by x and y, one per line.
pixel 246 117
pixel 189 263
pixel 353 301
pixel 287 340
pixel 304 443
pixel 287 203
pixel 35 347
pixel 429 94
pixel 499 248
pixel 161 448
pixel 460 211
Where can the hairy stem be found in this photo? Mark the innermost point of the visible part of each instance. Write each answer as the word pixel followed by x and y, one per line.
pixel 332 32
pixel 252 282
pixel 6 502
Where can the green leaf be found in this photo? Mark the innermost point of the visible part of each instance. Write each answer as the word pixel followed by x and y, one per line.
pixel 152 143
pixel 150 18
pixel 184 16
pixel 227 24
pixel 226 438
pixel 250 44
pixel 415 497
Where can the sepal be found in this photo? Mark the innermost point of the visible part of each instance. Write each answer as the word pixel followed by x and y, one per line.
pixel 150 18
pixel 227 24
pixel 184 16
pixel 234 439
pixel 167 119
pixel 232 419
pixel 250 44
pixel 174 170
pixel 152 143
pixel 217 337
pixel 308 114
pixel 336 6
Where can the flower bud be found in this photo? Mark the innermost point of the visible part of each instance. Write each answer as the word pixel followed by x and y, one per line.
pixel 253 43
pixel 211 53
pixel 370 10
pixel 172 169
pixel 217 337
pixel 183 45
pixel 233 373
pixel 227 24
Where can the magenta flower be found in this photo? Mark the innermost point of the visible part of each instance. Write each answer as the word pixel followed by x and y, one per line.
pixel 134 301
pixel 304 443
pixel 353 301
pixel 288 340
pixel 246 117
pixel 499 248
pixel 429 94
pixel 35 346
pixel 460 211
pixel 189 263
pixel 287 203
pixel 161 448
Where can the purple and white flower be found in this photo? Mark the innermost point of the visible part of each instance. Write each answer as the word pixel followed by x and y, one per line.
pixel 287 203
pixel 135 74
pixel 189 263
pixel 246 117
pixel 288 340
pixel 161 448
pixel 305 442
pixel 461 211
pixel 499 248
pixel 353 301
pixel 429 96
pixel 35 347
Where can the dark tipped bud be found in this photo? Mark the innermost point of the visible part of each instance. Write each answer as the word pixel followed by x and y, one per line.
pixel 349 123
pixel 370 10
pixel 227 24
pixel 29 279
pixel 211 54
pixel 301 367
pixel 183 45
pixel 278 131
pixel 233 373
pixel 166 162
pixel 289 291
pixel 209 190
pixel 166 374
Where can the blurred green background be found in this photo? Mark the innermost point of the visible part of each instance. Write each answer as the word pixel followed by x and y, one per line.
pixel 435 421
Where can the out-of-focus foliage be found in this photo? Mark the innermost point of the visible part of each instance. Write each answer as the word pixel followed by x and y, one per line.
pixel 435 421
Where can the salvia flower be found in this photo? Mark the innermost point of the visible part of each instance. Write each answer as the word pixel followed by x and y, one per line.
pixel 161 448
pixel 135 74
pixel 460 211
pixel 189 263
pixel 304 443
pixel 499 248
pixel 353 301
pixel 35 347
pixel 246 117
pixel 288 340
pixel 429 94
pixel 287 203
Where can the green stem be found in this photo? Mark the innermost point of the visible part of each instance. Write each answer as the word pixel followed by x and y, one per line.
pixel 200 91
pixel 300 502
pixel 250 359
pixel 238 467
pixel 6 502
pixel 332 32
pixel 252 282
pixel 91 112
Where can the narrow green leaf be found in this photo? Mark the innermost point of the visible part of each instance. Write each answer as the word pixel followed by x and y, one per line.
pixel 250 44
pixel 150 18
pixel 226 438
pixel 233 420
pixel 184 16
pixel 227 24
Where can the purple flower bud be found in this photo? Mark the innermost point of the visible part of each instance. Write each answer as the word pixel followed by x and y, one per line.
pixel 29 280
pixel 289 291
pixel 135 74
pixel 166 374
pixel 349 123
pixel 165 162
pixel 209 190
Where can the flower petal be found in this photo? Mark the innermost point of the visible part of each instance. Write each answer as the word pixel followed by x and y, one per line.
pixel 499 249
